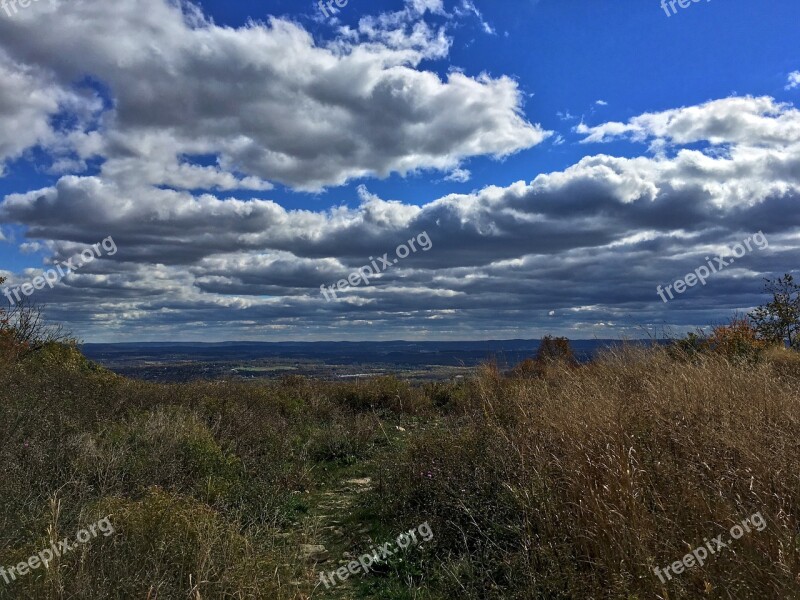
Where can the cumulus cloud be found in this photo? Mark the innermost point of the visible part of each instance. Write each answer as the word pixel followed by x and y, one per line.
pixel 30 98
pixel 589 243
pixel 794 80
pixel 737 120
pixel 193 105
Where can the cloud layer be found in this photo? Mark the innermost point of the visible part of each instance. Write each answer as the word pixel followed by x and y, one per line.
pixel 178 110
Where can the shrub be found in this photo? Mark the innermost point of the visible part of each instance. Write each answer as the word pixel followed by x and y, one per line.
pixel 347 439
pixel 387 393
pixel 554 353
pixel 555 350
pixel 738 341
pixel 169 448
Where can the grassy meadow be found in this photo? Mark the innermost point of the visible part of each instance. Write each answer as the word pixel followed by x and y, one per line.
pixel 556 481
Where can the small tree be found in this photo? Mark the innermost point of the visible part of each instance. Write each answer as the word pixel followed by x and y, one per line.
pixel 778 321
pixel 552 351
pixel 555 349
pixel 24 330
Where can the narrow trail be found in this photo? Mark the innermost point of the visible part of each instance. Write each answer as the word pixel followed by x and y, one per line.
pixel 331 530
pixel 334 526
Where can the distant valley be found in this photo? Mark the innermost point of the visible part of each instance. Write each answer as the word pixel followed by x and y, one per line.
pixel 422 361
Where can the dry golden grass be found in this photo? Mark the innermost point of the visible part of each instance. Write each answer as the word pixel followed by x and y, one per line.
pixel 560 482
pixel 577 484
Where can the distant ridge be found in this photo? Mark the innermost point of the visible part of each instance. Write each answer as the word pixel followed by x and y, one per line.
pixel 465 353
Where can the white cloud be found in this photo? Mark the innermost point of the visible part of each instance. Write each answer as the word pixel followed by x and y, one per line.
pixel 266 102
pixel 29 99
pixel 459 175
pixel 468 7
pixel 793 81
pixel 745 120
pixel 194 106
pixel 565 116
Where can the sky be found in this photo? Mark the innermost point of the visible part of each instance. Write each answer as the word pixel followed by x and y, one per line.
pixel 396 169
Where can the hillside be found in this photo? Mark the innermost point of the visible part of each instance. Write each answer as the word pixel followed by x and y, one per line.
pixel 564 482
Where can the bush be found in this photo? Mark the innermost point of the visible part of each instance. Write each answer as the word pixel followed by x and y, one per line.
pixel 553 355
pixel 347 439
pixel 168 447
pixel 736 341
pixel 388 394
pixel 555 350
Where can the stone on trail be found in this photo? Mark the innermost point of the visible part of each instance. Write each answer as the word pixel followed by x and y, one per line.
pixel 314 552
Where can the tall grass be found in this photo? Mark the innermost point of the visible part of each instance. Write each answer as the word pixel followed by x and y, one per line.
pixel 577 484
pixel 205 482
pixel 558 482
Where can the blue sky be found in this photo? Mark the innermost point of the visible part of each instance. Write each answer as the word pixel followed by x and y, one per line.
pixel 639 60
pixel 141 115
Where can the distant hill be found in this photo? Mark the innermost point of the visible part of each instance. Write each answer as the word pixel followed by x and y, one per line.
pixel 395 352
